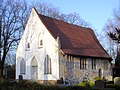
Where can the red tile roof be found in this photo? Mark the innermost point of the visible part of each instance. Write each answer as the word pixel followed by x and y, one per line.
pixel 75 40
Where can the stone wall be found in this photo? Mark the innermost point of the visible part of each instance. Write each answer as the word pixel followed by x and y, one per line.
pixel 70 68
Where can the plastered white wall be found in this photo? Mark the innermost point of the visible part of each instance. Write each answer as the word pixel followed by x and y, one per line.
pixel 34 31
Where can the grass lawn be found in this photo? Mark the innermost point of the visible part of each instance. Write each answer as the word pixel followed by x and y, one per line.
pixel 25 85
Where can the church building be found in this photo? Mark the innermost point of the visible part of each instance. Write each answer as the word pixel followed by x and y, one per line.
pixel 51 49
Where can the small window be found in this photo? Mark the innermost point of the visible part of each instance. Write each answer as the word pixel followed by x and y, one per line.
pixel 41 42
pixel 28 45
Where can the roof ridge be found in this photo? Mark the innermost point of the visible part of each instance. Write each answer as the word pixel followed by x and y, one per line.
pixel 63 21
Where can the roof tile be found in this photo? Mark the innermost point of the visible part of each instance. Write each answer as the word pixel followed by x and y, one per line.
pixel 75 40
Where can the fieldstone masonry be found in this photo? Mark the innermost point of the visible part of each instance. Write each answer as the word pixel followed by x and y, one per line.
pixel 71 69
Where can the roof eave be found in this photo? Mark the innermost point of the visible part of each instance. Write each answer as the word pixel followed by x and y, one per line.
pixel 96 57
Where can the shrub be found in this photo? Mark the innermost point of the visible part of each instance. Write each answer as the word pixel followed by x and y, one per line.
pixel 91 84
pixel 87 85
pixel 84 83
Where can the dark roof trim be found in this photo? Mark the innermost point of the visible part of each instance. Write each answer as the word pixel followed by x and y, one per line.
pixel 89 57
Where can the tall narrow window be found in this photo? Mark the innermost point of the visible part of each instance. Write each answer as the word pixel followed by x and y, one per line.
pixel 47 65
pixel 41 42
pixel 93 64
pixel 83 63
pixel 22 66
pixel 28 45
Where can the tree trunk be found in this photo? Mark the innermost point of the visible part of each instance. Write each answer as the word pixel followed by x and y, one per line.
pixel 2 68
pixel 0 44
pixel 2 64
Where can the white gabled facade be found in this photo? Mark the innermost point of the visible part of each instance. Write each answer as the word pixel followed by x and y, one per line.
pixel 35 44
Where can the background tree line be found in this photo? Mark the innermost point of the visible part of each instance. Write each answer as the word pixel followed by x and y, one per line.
pixel 112 29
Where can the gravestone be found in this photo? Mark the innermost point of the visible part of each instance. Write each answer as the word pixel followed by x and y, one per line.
pixel 100 73
pixel 117 80
pixel 20 78
pixel 99 84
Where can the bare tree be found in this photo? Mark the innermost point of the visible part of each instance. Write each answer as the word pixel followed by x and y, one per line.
pixel 49 10
pixel 75 18
pixel 13 19
pixel 111 30
pixel 115 36
pixel 10 58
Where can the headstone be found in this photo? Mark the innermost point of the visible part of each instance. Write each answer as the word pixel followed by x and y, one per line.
pixel 99 73
pixel 20 78
pixel 60 81
pixel 117 80
pixel 99 84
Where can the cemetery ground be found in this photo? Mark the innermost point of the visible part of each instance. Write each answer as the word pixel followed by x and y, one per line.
pixel 85 85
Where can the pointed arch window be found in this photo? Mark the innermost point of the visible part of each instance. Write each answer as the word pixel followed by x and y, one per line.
pixel 47 65
pixel 105 65
pixel 40 40
pixel 27 46
pixel 22 67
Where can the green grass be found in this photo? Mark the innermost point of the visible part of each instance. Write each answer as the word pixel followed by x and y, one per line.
pixel 116 86
pixel 25 85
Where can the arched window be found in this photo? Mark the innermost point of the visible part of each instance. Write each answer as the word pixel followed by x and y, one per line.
pixel 34 69
pixel 34 62
pixel 47 65
pixel 105 65
pixel 22 66
pixel 27 46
